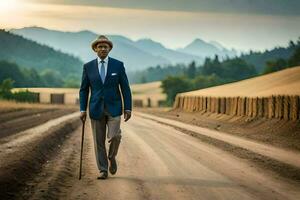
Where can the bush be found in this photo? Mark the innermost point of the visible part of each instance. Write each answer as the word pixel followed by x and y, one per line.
pixel 21 96
pixel 5 88
pixel 175 84
pixel 26 96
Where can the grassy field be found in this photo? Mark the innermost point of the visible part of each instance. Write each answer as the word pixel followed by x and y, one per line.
pixel 285 82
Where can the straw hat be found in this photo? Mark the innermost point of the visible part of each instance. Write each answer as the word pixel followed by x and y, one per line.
pixel 101 39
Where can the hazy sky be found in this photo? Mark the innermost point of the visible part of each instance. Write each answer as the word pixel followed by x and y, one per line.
pixel 240 24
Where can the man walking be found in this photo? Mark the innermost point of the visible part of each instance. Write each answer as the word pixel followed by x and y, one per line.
pixel 106 78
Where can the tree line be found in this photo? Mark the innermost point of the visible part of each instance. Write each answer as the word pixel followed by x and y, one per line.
pixel 213 73
pixel 25 77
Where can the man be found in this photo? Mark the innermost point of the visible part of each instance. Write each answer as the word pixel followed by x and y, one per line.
pixel 105 77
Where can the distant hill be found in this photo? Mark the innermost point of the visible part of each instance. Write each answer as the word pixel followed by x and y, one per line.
pixel 204 49
pixel 158 49
pixel 285 82
pixel 137 55
pixel 30 54
pixel 144 53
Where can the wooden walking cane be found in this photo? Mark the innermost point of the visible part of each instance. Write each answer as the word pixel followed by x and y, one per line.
pixel 82 138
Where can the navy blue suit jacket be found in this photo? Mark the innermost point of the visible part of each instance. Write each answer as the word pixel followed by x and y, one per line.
pixel 107 94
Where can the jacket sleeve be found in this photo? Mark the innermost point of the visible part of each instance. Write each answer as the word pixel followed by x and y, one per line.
pixel 125 89
pixel 84 90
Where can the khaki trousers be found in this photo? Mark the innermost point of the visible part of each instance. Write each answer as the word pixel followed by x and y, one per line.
pixel 99 135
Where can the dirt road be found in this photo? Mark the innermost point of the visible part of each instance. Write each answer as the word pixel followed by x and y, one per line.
pixel 157 162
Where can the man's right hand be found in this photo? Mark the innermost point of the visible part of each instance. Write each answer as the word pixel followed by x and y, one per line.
pixel 83 116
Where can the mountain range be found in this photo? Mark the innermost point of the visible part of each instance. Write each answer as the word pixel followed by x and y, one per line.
pixel 137 55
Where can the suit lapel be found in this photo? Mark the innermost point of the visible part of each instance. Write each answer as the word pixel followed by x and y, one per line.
pixel 109 66
pixel 96 71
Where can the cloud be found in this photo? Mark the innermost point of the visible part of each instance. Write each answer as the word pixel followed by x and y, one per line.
pixel 172 28
pixel 266 7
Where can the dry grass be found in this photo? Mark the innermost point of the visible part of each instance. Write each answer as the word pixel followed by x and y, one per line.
pixel 148 90
pixel 285 82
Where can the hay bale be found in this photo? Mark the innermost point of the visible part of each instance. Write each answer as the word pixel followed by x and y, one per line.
pixel 189 104
pixel 217 105
pixel 227 107
pixel 184 103
pixel 205 104
pixel 212 106
pixel 194 103
pixel 197 106
pixel 239 104
pixel 200 103
pixel 266 107
pixel 208 104
pixel 279 107
pixel 246 106
pixel 238 107
pixel 271 107
pixel 250 107
pixel 180 102
pixel 222 105
pixel 254 107
pixel 234 105
pixel 286 107
pixel 260 107
pixel 231 105
pixel 242 106
pixel 294 109
pixel 217 108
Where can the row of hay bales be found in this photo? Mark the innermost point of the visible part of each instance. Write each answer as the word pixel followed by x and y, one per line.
pixel 280 107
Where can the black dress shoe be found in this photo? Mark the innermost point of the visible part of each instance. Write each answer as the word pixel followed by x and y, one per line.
pixel 103 175
pixel 113 166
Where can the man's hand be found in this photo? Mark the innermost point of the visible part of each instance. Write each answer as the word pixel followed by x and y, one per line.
pixel 127 115
pixel 83 116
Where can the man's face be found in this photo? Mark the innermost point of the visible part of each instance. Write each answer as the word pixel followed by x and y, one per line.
pixel 102 50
